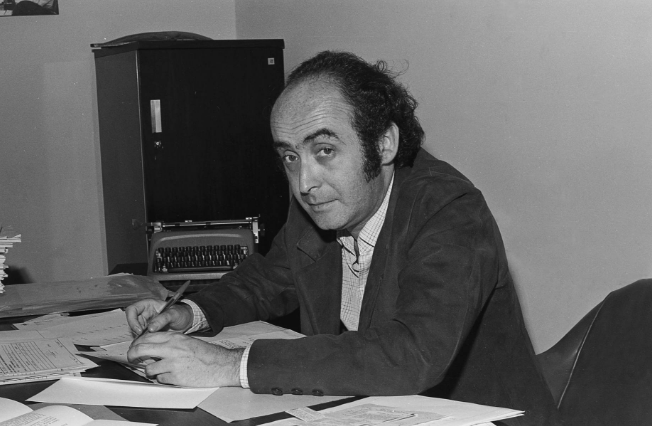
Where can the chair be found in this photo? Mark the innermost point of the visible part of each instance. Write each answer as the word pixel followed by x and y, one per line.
pixel 600 372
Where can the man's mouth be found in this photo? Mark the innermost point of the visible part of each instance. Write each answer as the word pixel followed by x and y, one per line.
pixel 320 206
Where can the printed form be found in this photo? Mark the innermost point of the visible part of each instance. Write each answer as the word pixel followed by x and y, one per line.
pixel 28 356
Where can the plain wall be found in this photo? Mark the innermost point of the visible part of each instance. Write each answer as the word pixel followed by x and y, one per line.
pixel 545 106
pixel 50 180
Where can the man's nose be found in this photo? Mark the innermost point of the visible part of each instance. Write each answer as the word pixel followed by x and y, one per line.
pixel 308 178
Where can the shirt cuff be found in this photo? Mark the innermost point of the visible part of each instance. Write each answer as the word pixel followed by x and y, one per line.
pixel 244 379
pixel 199 321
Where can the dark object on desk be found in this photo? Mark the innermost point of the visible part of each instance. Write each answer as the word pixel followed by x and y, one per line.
pixel 17 276
pixel 600 373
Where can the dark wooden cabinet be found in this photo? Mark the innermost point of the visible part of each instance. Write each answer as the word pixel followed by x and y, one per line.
pixel 184 136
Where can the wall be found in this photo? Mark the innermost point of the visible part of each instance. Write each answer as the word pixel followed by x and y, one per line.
pixel 546 106
pixel 50 188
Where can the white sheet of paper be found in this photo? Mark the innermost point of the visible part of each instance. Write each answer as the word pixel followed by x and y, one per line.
pixel 123 393
pixel 52 416
pixel 10 409
pixel 458 413
pixel 15 413
pixel 233 404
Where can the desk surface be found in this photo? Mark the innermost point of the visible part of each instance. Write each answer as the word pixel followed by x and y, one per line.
pixel 108 369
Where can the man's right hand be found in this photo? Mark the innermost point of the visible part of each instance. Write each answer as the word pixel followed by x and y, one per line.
pixel 145 313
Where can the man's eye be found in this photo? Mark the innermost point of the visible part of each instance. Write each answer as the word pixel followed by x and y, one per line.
pixel 289 158
pixel 326 151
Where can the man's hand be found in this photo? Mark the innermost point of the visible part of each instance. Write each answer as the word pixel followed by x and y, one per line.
pixel 139 315
pixel 185 361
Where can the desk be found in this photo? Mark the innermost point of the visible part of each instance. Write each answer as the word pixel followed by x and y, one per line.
pixel 108 369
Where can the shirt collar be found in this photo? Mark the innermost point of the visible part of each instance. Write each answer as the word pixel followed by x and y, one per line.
pixel 371 230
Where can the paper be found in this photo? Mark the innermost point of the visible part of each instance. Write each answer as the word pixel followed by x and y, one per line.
pixel 13 413
pixel 93 391
pixel 89 330
pixel 7 240
pixel 26 360
pixel 114 291
pixel 233 404
pixel 405 410
pixel 10 409
pixel 231 337
pixel 19 335
pixel 367 415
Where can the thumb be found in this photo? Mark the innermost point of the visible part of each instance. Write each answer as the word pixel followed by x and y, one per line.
pixel 159 322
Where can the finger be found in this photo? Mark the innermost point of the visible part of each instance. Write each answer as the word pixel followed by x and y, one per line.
pixel 159 322
pixel 138 353
pixel 157 366
pixel 134 319
pixel 165 378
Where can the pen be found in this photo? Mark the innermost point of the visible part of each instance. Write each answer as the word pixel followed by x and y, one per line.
pixel 171 301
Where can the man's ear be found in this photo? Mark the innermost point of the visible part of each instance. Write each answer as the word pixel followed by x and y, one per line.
pixel 388 144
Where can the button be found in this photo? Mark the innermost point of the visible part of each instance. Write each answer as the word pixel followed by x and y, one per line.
pixel 297 391
pixel 277 391
pixel 318 392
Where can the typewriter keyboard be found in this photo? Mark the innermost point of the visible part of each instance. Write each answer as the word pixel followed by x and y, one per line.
pixel 215 258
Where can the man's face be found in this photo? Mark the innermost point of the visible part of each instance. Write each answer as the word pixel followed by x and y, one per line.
pixel 323 159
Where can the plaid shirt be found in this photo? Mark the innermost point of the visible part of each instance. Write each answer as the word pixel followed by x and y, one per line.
pixel 356 260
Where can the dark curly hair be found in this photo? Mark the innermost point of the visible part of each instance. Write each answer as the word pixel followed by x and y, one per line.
pixel 376 99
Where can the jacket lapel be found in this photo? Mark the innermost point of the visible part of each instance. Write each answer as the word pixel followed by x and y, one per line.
pixel 319 282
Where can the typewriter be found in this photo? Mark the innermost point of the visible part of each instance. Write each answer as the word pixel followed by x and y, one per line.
pixel 199 251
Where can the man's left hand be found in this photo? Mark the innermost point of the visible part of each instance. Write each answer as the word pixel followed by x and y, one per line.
pixel 185 361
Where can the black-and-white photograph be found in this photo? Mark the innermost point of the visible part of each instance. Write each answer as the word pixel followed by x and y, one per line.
pixel 29 7
pixel 326 213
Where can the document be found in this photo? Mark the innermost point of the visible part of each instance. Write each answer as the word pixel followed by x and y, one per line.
pixel 88 330
pixel 13 413
pixel 124 393
pixel 38 358
pixel 408 410
pixel 368 415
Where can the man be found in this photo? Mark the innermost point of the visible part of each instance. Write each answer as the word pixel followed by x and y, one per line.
pixel 392 257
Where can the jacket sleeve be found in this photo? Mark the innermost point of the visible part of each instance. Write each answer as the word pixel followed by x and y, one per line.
pixel 442 267
pixel 259 289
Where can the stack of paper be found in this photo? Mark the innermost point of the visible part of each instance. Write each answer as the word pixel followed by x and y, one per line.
pixel 113 291
pixel 7 240
pixel 27 356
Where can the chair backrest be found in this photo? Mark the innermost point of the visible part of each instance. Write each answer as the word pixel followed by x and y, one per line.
pixel 600 373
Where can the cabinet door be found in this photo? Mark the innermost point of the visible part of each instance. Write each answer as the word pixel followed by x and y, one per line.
pixel 207 152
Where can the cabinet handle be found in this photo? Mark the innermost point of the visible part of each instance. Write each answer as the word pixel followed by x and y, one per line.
pixel 155 109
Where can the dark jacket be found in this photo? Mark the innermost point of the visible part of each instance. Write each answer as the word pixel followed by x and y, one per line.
pixel 439 316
